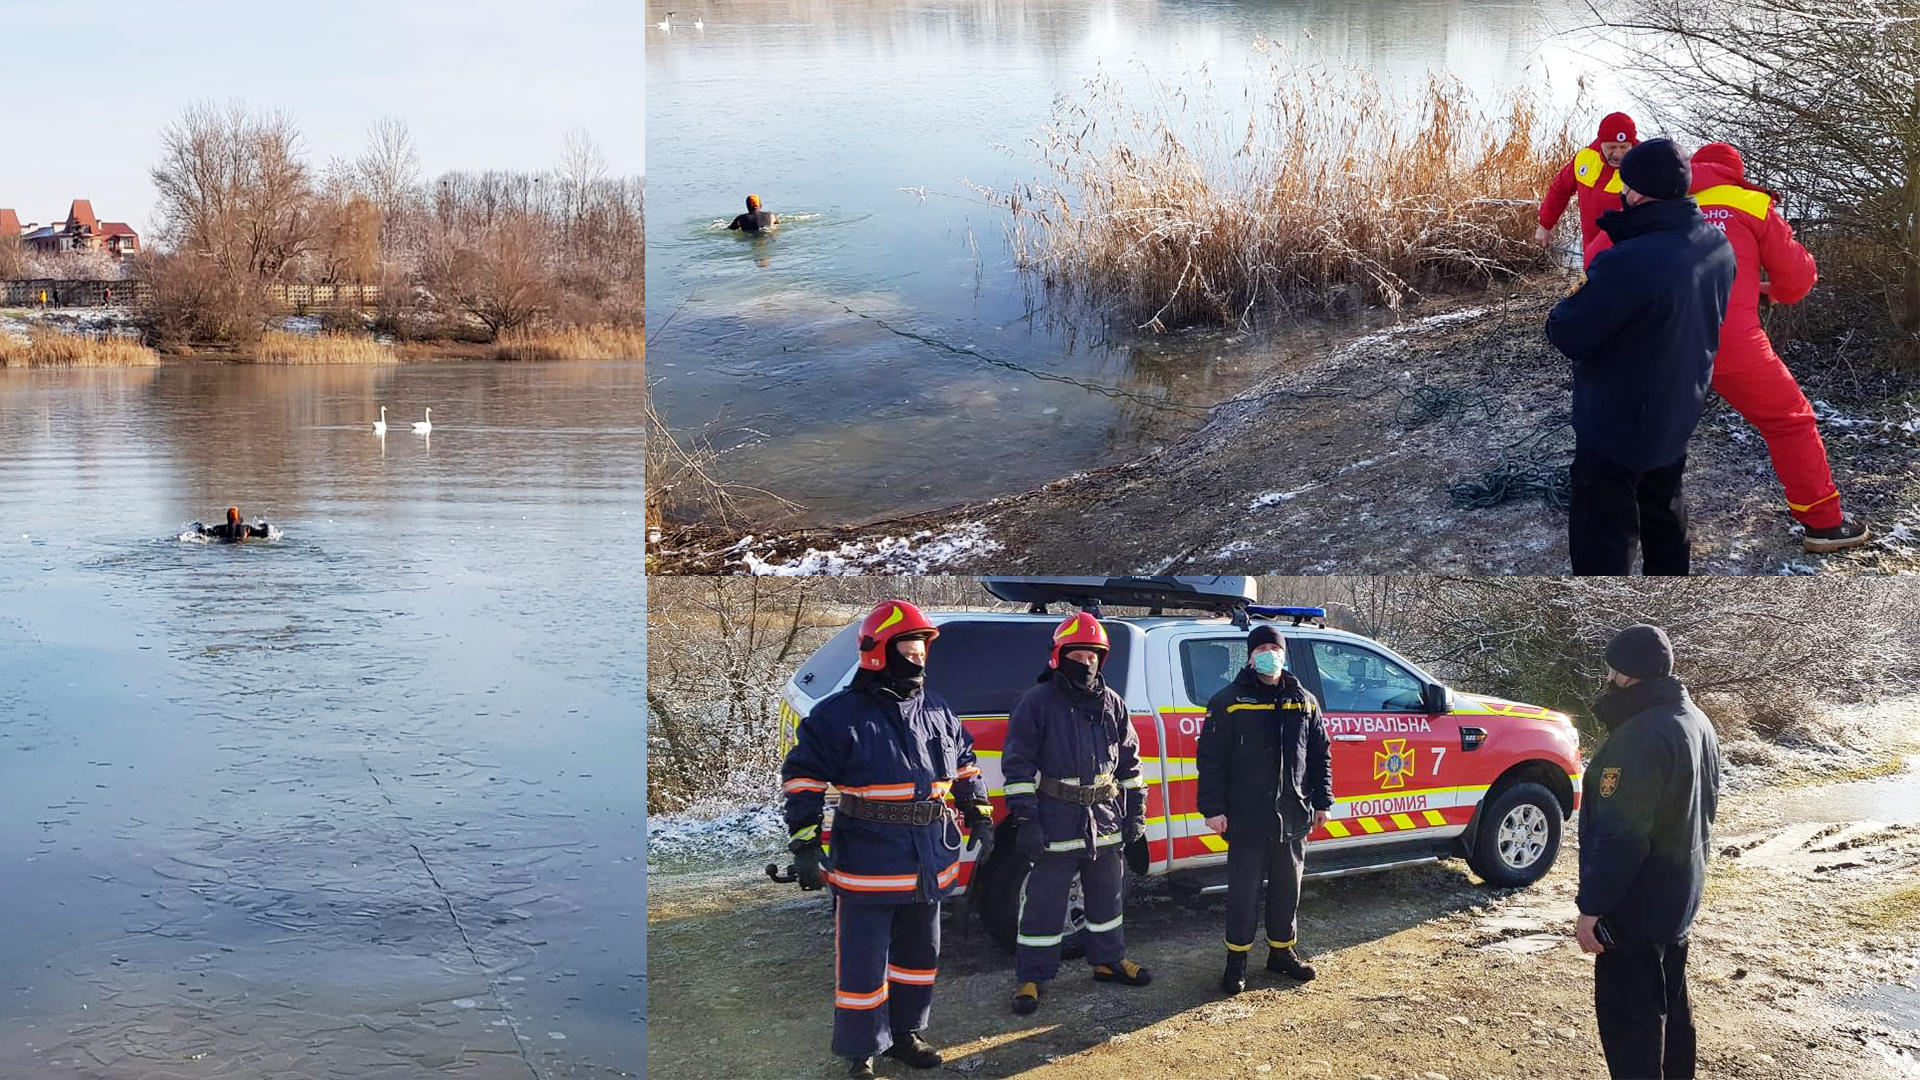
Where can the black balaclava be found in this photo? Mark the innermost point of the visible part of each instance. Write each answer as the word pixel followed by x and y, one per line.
pixel 901 677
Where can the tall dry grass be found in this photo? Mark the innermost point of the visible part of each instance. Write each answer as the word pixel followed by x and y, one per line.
pixel 1318 191
pixel 573 343
pixel 51 348
pixel 280 347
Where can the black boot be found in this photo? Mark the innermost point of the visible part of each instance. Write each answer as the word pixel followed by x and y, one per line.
pixel 1234 979
pixel 1284 962
pixel 911 1048
pixel 862 1069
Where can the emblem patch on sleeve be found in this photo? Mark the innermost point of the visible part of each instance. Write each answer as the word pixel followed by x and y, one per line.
pixel 1609 782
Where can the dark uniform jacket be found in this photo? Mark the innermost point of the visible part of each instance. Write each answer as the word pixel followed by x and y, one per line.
pixel 865 742
pixel 1642 331
pixel 1646 807
pixel 1264 759
pixel 1078 737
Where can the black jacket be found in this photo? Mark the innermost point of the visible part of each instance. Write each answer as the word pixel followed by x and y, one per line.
pixel 1642 331
pixel 1264 754
pixel 1081 737
pixel 1646 809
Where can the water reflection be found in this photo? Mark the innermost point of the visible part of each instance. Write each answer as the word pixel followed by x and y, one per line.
pixel 357 799
pixel 860 125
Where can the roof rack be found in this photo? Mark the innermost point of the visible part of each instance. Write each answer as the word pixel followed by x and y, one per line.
pixel 1214 594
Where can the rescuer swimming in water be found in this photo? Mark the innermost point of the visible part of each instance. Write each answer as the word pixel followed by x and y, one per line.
pixel 234 530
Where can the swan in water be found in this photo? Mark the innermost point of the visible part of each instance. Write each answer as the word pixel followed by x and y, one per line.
pixel 424 426
pixel 666 23
pixel 380 425
pixel 699 23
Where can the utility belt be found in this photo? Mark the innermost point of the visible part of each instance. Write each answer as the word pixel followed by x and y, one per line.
pixel 892 811
pixel 1080 794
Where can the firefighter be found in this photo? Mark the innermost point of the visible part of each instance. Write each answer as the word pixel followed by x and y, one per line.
pixel 1746 370
pixel 1266 781
pixel 1075 793
pixel 893 751
pixel 1647 806
pixel 1594 175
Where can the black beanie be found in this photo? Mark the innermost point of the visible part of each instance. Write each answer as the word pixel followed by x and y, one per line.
pixel 1262 635
pixel 1642 652
pixel 1657 169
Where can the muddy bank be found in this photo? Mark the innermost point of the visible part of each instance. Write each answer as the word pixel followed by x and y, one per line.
pixel 1352 464
pixel 1805 959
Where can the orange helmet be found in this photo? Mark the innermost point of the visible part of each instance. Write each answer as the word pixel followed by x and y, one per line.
pixel 1078 631
pixel 888 620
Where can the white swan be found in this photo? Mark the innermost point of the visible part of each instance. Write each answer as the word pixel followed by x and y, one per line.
pixel 699 23
pixel 666 23
pixel 380 425
pixel 424 426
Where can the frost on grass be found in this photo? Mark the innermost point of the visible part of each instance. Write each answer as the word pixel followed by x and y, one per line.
pixel 711 832
pixel 919 553
pixel 1275 498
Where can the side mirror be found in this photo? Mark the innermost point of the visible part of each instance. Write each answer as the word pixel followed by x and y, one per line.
pixel 1437 699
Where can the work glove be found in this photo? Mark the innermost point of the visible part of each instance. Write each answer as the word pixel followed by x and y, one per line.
pixel 979 819
pixel 807 864
pixel 1134 825
pixel 1028 837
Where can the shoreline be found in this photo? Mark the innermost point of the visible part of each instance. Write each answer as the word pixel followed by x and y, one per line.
pixel 1352 461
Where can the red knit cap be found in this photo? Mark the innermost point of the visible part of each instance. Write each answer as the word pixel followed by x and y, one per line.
pixel 1722 154
pixel 1617 127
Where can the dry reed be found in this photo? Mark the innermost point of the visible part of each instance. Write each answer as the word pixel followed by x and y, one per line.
pixel 1320 193
pixel 51 348
pixel 280 347
pixel 573 343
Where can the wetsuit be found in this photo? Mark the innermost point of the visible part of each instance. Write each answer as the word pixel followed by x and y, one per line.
pixel 232 531
pixel 755 221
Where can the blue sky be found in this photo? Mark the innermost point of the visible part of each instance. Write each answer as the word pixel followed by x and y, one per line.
pixel 481 84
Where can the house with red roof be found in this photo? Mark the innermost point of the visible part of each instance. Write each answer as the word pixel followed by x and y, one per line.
pixel 82 231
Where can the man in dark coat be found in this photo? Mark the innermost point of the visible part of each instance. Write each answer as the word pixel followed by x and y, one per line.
pixel 1641 332
pixel 1647 805
pixel 1074 791
pixel 1266 780
pixel 894 752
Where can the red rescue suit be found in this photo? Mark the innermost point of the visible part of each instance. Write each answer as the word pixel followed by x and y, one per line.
pixel 1746 370
pixel 1596 182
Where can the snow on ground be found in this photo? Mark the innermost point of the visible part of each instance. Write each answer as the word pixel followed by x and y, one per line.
pixel 304 325
pixel 919 553
pixel 707 834
pixel 97 321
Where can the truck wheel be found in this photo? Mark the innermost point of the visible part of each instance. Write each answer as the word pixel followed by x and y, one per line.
pixel 999 905
pixel 1518 836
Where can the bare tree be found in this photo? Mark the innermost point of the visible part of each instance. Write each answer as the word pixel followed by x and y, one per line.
pixel 1822 97
pixel 234 189
pixel 389 172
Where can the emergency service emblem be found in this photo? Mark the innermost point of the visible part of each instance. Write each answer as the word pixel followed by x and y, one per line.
pixel 1609 782
pixel 1393 764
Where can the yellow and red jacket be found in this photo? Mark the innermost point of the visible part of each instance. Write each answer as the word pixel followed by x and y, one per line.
pixel 863 741
pixel 1598 186
pixel 1761 238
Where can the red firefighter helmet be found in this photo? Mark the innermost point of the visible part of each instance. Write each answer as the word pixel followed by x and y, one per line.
pixel 1078 631
pixel 888 620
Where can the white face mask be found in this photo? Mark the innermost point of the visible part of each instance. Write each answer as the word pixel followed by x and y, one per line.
pixel 1268 663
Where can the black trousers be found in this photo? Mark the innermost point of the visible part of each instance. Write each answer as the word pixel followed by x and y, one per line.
pixel 1614 510
pixel 1264 868
pixel 1640 1000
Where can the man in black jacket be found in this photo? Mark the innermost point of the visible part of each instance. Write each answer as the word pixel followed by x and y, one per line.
pixel 1266 780
pixel 1646 811
pixel 1641 332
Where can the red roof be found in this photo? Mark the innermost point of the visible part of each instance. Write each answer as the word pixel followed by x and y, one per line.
pixel 116 228
pixel 82 214
pixel 9 223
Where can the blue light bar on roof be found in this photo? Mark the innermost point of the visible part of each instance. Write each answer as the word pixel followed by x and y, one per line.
pixel 1287 612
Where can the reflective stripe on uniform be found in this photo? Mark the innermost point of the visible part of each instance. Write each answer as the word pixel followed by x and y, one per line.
pixel 1231 947
pixel 1066 845
pixel 874 882
pixel 1133 782
pixel 801 783
pixel 1019 789
pixel 1287 944
pixel 971 770
pixel 1796 506
pixel 1103 927
pixel 910 975
pixel 1039 941
pixel 862 1001
pixel 1107 840
pixel 807 833
pixel 901 792
pixel 1241 706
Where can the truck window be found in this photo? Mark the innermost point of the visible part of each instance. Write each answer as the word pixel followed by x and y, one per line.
pixel 1209 664
pixel 1359 680
pixel 980 668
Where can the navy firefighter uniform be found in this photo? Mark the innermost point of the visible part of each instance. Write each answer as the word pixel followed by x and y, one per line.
pixel 893 752
pixel 1073 787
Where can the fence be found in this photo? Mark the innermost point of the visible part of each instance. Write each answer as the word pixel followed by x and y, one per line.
pixel 297 299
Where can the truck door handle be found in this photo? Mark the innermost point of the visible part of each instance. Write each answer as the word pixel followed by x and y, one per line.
pixel 1349 738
